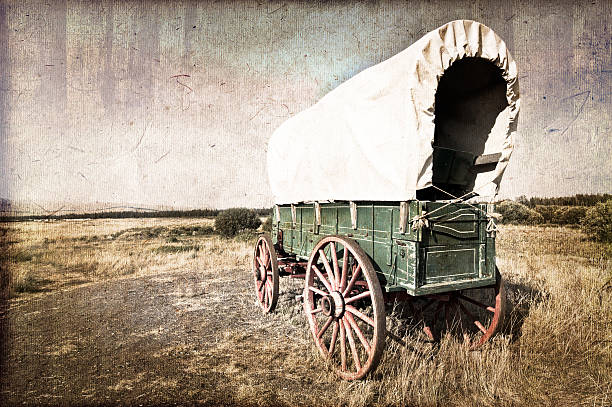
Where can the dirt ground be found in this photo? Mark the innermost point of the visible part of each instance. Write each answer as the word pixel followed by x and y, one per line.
pixel 150 340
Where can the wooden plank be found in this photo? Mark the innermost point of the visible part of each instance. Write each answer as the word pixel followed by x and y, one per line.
pixel 486 159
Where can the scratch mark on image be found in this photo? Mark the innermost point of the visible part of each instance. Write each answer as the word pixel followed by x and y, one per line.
pixel 181 83
pixel 144 132
pixel 588 93
pixel 185 86
pixel 259 111
pixel 162 157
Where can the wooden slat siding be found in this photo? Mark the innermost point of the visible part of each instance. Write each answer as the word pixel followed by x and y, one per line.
pixel 461 253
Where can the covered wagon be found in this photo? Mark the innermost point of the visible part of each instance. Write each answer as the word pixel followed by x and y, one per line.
pixel 383 192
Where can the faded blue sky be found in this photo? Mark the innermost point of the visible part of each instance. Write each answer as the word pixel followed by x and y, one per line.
pixel 172 103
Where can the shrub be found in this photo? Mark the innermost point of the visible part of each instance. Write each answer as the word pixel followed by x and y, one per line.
pixel 514 212
pixel 267 225
pixel 231 221
pixel 569 215
pixel 597 223
pixel 547 212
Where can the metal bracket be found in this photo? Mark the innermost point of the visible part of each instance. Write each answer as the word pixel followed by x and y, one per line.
pixel 404 209
pixel 293 216
pixel 317 211
pixel 353 208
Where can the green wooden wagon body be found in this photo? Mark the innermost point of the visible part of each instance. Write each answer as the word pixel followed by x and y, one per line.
pixel 454 252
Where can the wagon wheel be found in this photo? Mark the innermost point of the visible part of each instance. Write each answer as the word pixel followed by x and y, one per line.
pixel 343 303
pixel 476 313
pixel 265 273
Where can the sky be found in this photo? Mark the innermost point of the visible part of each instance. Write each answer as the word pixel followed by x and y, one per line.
pixel 172 103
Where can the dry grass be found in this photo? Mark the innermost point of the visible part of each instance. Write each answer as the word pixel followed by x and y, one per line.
pixel 556 347
pixel 45 256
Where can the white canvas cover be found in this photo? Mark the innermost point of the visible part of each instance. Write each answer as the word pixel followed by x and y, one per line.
pixel 372 137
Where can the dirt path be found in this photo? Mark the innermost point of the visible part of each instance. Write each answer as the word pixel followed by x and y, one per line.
pixel 164 339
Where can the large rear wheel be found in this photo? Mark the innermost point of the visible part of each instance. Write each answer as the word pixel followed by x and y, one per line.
pixel 344 306
pixel 476 314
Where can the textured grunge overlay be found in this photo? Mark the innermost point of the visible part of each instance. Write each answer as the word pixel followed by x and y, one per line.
pixel 172 103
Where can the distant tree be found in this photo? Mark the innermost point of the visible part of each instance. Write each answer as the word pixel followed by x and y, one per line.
pixel 569 215
pixel 514 212
pixel 597 223
pixel 232 221
pixel 523 200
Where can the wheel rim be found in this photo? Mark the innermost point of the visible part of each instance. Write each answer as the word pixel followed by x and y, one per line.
pixel 344 306
pixel 265 274
pixel 476 314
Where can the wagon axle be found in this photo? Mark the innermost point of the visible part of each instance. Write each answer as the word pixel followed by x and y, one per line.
pixel 332 305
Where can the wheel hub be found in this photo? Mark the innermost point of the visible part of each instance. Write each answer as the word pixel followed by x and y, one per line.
pixel 332 305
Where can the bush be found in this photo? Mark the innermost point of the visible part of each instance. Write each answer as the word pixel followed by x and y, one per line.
pixel 514 212
pixel 569 215
pixel 547 212
pixel 231 221
pixel 267 225
pixel 597 223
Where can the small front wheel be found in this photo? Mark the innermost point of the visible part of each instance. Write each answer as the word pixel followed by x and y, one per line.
pixel 265 273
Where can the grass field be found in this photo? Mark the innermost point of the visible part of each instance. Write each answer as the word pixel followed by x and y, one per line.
pixel 555 347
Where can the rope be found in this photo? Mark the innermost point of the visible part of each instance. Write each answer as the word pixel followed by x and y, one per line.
pixel 421 221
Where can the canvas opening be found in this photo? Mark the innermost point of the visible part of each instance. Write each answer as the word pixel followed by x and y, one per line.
pixel 470 96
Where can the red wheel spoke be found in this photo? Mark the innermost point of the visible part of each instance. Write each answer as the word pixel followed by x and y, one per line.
pixel 353 347
pixel 316 290
pixel 474 320
pixel 357 330
pixel 335 265
pixel 477 303
pixel 260 294
pixel 480 326
pixel 360 315
pixel 330 273
pixel 344 269
pixel 261 263
pixel 268 292
pixel 357 297
pixel 322 278
pixel 316 311
pixel 332 344
pixel 342 346
pixel 353 281
pixel 324 328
